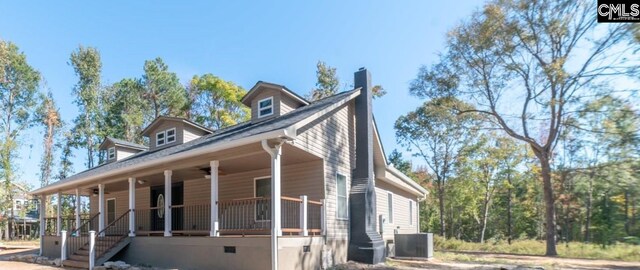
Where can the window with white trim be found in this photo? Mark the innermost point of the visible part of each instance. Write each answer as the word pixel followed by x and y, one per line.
pixel 410 212
pixel 170 135
pixel 265 107
pixel 160 138
pixel 111 153
pixel 390 207
pixel 342 209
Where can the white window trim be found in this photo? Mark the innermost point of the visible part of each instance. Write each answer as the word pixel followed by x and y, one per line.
pixel 260 115
pixel 106 209
pixel 166 136
pixel 109 153
pixel 346 191
pixel 390 217
pixel 254 195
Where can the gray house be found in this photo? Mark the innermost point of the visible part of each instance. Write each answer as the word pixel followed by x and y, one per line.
pixel 302 185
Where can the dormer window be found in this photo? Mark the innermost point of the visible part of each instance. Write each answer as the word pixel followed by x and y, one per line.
pixel 160 138
pixel 111 153
pixel 171 135
pixel 265 107
pixel 166 137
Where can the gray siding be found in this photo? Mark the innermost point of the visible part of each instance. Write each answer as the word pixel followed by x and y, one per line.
pixel 330 138
pixel 265 93
pixel 401 213
pixel 164 126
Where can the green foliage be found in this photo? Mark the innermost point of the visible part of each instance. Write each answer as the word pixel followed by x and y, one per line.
pixel 327 82
pixel 124 110
pixel 163 89
pixel 215 103
pixel 87 65
pixel 19 84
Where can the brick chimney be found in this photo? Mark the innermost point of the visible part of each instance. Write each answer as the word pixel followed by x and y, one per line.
pixel 365 244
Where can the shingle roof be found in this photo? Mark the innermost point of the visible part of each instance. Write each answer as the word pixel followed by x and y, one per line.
pixel 126 143
pixel 222 135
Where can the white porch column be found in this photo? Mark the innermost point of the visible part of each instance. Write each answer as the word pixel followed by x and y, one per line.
pixel 101 207
pixel 43 213
pixel 77 212
pixel 214 164
pixel 323 224
pixel 276 227
pixel 132 207
pixel 167 203
pixel 303 216
pixel 58 212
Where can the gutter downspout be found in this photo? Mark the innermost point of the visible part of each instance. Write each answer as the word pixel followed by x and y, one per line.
pixel 276 230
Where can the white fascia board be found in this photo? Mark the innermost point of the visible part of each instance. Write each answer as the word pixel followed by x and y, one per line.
pixel 56 187
pixel 414 187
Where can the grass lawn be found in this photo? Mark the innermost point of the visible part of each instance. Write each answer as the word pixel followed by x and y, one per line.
pixel 623 252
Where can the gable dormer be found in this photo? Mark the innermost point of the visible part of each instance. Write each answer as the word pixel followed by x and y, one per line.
pixel 116 149
pixel 167 131
pixel 268 100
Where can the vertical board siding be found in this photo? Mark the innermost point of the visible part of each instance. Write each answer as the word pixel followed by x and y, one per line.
pixel 401 201
pixel 331 137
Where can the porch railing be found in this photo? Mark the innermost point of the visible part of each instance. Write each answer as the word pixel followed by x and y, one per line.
pixel 191 219
pixel 79 237
pixel 249 216
pixel 68 223
pixel 112 234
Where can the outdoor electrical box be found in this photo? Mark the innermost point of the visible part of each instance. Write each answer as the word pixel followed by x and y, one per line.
pixel 416 245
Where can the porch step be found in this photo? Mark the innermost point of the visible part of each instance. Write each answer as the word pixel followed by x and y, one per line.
pixel 76 264
pixel 80 258
pixel 83 252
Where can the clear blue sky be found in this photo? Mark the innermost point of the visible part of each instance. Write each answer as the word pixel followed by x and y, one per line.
pixel 240 41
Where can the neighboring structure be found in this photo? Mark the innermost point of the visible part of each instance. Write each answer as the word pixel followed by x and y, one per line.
pixel 299 186
pixel 22 218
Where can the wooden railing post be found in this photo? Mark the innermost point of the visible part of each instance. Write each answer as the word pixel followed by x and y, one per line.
pixel 92 249
pixel 303 216
pixel 63 245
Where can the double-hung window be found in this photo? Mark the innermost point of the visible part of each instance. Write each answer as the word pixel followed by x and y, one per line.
pixel 171 135
pixel 265 107
pixel 111 153
pixel 341 183
pixel 160 139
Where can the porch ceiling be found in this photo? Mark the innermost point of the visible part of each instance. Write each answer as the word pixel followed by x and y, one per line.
pixel 235 163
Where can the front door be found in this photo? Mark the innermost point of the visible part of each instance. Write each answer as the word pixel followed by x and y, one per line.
pixel 158 207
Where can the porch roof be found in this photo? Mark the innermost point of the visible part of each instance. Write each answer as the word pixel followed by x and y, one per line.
pixel 236 135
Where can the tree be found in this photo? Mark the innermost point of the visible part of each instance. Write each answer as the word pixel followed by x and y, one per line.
pixel 439 135
pixel 215 103
pixel 66 165
pixel 163 89
pixel 547 54
pixel 400 163
pixel 327 83
pixel 18 99
pixel 49 117
pixel 87 65
pixel 124 110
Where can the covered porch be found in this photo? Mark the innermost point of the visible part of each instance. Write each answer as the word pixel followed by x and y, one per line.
pixel 251 191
